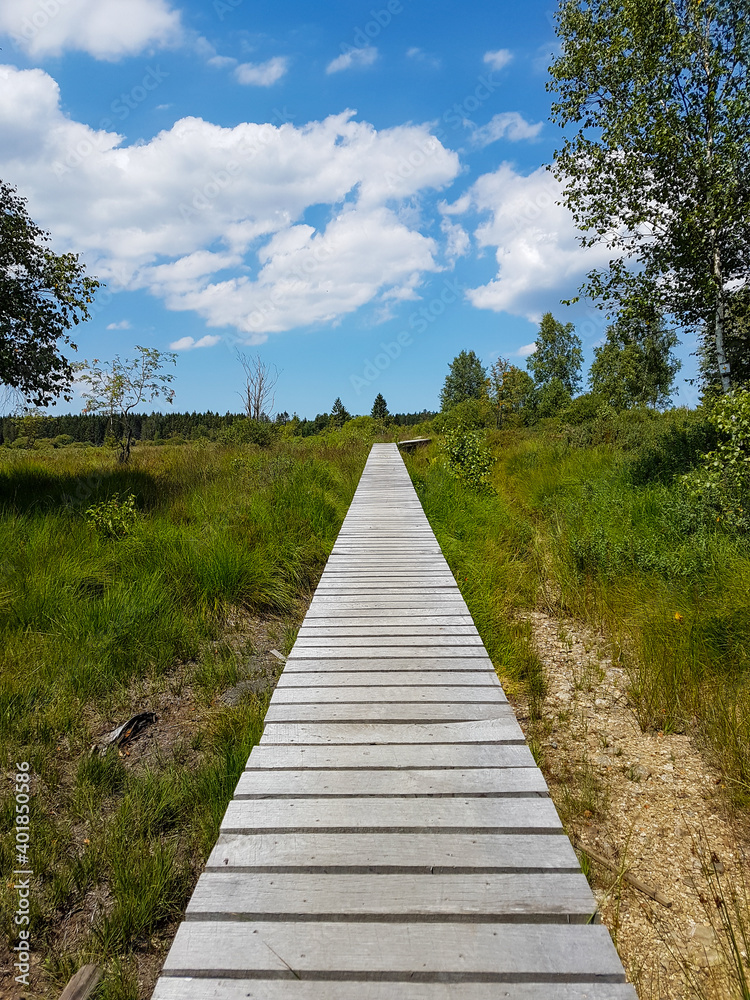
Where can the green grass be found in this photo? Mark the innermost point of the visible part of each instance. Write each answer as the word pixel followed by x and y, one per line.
pixel 96 625
pixel 593 522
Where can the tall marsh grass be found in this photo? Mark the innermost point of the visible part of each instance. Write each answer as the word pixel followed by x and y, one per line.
pixel 597 516
pixel 90 618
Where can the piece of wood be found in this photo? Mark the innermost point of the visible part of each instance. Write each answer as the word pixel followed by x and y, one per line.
pixel 408 853
pixel 397 713
pixel 83 983
pixel 175 988
pixel 371 756
pixel 452 642
pixel 292 949
pixel 378 652
pixel 550 897
pixel 418 664
pixel 409 814
pixel 312 694
pixel 294 680
pixel 499 730
pixel 317 629
pixel 396 781
pixel 636 883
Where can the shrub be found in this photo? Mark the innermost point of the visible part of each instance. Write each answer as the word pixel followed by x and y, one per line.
pixel 723 479
pixel 470 414
pixel 469 459
pixel 114 517
pixel 61 440
pixel 583 408
pixel 259 432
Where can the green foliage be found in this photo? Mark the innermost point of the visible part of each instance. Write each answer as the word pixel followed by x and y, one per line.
pixel 548 400
pixel 262 433
pixel 42 295
pixel 470 414
pixel 379 408
pixel 92 631
pixel 339 414
pixel 723 479
pixel 468 457
pixel 465 380
pixel 114 518
pixel 657 169
pixel 558 356
pixel 117 387
pixel 634 367
pixel 736 346
pixel 583 408
pixel 508 388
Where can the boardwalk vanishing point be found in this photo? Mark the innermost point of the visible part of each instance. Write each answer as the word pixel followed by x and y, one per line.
pixel 391 836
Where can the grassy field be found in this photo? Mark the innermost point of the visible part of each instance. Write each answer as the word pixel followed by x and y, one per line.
pixel 594 522
pixel 194 561
pixel 161 585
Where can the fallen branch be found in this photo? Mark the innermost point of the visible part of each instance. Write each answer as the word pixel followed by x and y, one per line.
pixel 82 984
pixel 630 879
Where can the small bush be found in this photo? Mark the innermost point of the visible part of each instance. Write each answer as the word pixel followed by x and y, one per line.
pixel 723 479
pixel 259 432
pixel 469 458
pixel 113 518
pixel 61 440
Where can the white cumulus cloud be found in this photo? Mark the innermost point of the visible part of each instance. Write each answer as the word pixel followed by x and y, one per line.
pixel 498 59
pixel 262 74
pixel 539 259
pixel 105 29
pixel 124 324
pixel 189 343
pixel 506 125
pixel 212 219
pixel 356 58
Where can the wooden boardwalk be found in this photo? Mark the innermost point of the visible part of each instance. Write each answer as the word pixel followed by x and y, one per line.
pixel 391 837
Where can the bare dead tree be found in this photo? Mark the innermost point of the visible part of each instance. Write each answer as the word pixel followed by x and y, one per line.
pixel 260 381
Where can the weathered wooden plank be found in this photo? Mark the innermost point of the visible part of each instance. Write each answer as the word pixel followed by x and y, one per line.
pixel 398 713
pixel 377 756
pixel 389 620
pixel 342 652
pixel 542 952
pixel 175 988
pixel 504 729
pixel 296 679
pixel 491 815
pixel 460 612
pixel 316 631
pixel 395 852
pixel 360 642
pixel 549 897
pixel 396 781
pixel 418 664
pixel 456 680
pixel 356 692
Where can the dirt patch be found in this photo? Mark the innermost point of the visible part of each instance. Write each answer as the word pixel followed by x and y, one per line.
pixel 650 805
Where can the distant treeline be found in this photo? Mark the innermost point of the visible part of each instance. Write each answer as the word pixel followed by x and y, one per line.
pixel 93 427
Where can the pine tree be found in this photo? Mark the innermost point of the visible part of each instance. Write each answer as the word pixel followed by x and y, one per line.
pixel 379 408
pixel 339 414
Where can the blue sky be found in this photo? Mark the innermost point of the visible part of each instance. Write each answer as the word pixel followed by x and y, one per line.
pixel 355 192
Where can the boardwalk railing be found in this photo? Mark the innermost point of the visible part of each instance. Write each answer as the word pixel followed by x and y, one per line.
pixel 391 836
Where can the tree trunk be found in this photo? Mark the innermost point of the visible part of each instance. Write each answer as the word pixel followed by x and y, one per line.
pixel 719 321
